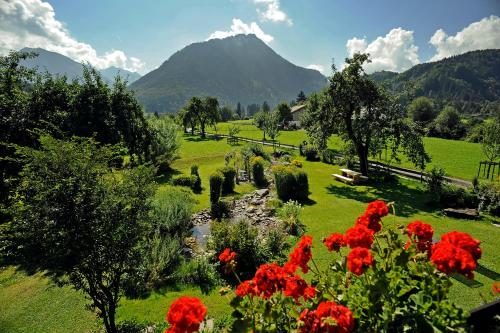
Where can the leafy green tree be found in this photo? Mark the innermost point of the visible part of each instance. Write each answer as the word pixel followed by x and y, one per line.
pixel 358 110
pixel 448 124
pixel 261 120
pixel 422 110
pixel 283 113
pixel 301 98
pixel 93 220
pixel 491 140
pixel 165 142
pixel 252 109
pixel 272 126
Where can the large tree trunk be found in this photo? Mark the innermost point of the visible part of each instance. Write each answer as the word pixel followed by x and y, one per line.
pixel 202 128
pixel 363 159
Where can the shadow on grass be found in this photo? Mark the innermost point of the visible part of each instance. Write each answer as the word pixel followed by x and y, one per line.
pixel 166 177
pixel 488 272
pixel 408 200
pixel 462 279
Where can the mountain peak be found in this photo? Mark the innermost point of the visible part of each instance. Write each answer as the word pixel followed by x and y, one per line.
pixel 239 68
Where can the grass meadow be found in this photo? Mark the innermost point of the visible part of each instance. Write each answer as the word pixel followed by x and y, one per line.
pixel 32 304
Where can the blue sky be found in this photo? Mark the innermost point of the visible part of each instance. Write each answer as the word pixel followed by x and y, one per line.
pixel 140 35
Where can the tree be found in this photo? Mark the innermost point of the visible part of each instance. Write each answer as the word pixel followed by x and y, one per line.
pixel 239 111
pixel 252 109
pixel 448 124
pixel 165 142
pixel 205 111
pixel 283 113
pixel 265 107
pixel 272 126
pixel 301 98
pixel 358 110
pixel 226 113
pixel 491 140
pixel 260 121
pixel 422 110
pixel 93 220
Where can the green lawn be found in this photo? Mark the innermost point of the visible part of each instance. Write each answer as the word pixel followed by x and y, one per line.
pixel 459 158
pixel 31 304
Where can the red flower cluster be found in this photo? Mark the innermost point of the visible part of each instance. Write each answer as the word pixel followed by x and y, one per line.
pixel 359 236
pixel 496 288
pixel 270 278
pixel 297 287
pixel 373 215
pixel 300 256
pixel 226 256
pixel 421 234
pixel 318 320
pixel 334 242
pixel 358 260
pixel 457 251
pixel 185 315
pixel 247 287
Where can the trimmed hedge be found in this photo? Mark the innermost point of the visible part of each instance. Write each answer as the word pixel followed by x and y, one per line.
pixel 194 172
pixel 291 183
pixel 216 180
pixel 228 183
pixel 184 180
pixel 257 165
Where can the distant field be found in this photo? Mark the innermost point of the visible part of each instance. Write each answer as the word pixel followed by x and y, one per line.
pixel 32 304
pixel 460 159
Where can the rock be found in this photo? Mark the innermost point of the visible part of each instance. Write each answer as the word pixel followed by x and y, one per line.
pixel 256 202
pixel 251 209
pixel 467 213
pixel 262 193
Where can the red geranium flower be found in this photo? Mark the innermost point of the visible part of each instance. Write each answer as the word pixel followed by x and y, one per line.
pixel 247 287
pixel 496 288
pixel 373 215
pixel 359 259
pixel 449 258
pixel 359 236
pixel 300 256
pixel 270 278
pixel 421 233
pixel 226 256
pixel 334 242
pixel 463 241
pixel 297 287
pixel 378 207
pixel 185 315
pixel 318 320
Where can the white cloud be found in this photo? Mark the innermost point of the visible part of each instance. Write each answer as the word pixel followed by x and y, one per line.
pixel 481 35
pixel 319 68
pixel 272 11
pixel 240 27
pixel 32 23
pixel 394 52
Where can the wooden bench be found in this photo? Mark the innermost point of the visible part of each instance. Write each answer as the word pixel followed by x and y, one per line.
pixel 344 179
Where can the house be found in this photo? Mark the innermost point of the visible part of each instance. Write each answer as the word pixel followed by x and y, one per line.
pixel 297 112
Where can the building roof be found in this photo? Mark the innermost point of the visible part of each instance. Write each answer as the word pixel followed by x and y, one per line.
pixel 298 108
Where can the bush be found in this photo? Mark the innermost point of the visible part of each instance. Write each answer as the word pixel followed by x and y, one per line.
pixel 241 238
pixel 454 196
pixel 257 150
pixel 290 215
pixel 171 213
pixel 274 204
pixel 184 180
pixel 257 165
pixel 434 183
pixel 221 209
pixel 198 271
pixel 328 157
pixel 228 184
pixel 197 183
pixel 296 163
pixel 291 183
pixel 488 196
pixel 310 153
pixel 216 180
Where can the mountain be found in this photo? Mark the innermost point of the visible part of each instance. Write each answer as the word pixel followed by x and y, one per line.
pixel 469 81
pixel 111 72
pixel 54 63
pixel 234 69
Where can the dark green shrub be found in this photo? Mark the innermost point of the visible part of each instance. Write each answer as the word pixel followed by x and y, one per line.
pixel 220 209
pixel 216 180
pixel 290 215
pixel 197 184
pixel 256 150
pixel 184 180
pixel 310 153
pixel 228 184
pixel 328 157
pixel 454 196
pixel 258 176
pixel 291 183
pixel 198 271
pixel 243 239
